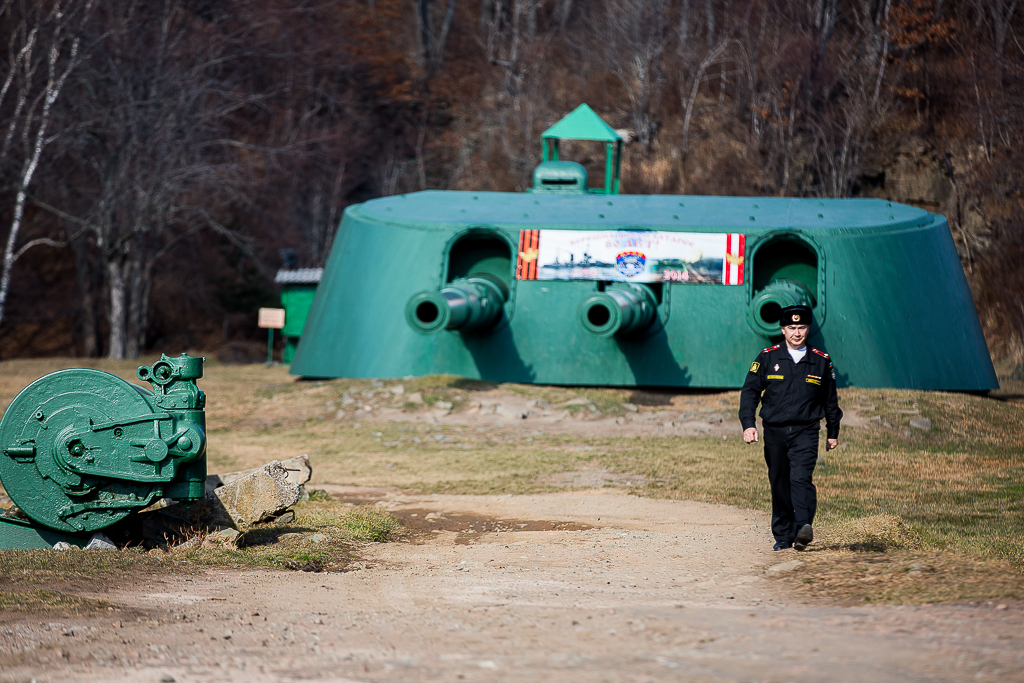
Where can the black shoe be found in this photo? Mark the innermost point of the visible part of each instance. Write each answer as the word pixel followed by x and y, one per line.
pixel 803 537
pixel 782 545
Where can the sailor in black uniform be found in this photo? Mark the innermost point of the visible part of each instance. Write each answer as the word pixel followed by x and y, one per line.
pixel 796 387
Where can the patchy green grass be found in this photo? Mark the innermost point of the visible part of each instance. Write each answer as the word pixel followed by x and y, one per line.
pixel 321 537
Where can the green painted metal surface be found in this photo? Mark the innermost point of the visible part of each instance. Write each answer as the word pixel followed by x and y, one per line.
pixel 582 123
pixel 559 176
pixel 890 300
pixel 296 301
pixel 81 449
pixel 17 534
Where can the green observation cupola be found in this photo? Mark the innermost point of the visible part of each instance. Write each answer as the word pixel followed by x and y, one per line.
pixel 558 176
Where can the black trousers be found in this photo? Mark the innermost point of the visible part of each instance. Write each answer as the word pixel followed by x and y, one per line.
pixel 791 453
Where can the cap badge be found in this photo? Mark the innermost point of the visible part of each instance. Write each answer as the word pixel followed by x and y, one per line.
pixel 776 367
pixel 796 317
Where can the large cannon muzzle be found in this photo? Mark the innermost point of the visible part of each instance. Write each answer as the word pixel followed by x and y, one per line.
pixel 618 311
pixel 474 303
pixel 766 307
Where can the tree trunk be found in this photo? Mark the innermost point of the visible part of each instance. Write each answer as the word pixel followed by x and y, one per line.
pixel 117 311
pixel 138 302
pixel 88 330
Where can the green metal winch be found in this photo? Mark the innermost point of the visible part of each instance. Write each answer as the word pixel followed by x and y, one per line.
pixel 81 449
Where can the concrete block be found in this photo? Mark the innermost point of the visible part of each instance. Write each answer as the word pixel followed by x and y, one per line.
pixel 299 472
pixel 261 494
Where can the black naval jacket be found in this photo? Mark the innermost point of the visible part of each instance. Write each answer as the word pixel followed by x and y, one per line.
pixel 791 393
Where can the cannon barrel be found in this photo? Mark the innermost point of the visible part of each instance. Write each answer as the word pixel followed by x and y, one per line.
pixel 618 311
pixel 474 303
pixel 766 307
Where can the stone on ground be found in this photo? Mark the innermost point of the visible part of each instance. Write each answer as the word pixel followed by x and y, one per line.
pixel 100 542
pixel 262 494
pixel 299 473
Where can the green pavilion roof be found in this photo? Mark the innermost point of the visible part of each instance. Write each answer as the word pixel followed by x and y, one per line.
pixel 582 124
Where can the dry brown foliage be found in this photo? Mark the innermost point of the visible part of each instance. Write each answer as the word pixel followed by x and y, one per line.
pixel 325 104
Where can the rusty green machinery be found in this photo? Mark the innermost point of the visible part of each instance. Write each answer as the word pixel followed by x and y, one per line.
pixel 82 449
pixel 569 284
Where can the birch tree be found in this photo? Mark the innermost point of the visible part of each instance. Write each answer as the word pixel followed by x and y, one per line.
pixel 44 47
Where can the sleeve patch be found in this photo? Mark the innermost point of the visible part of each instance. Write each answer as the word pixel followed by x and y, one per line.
pixel 754 366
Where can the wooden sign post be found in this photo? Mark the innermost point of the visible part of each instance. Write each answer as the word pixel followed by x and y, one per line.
pixel 272 319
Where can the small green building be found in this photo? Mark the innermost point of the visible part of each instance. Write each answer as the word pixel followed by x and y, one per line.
pixel 298 289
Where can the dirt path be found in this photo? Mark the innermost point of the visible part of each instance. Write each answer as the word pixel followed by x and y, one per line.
pixel 575 586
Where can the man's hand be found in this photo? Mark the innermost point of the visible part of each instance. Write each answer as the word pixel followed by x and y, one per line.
pixel 750 435
pixel 831 443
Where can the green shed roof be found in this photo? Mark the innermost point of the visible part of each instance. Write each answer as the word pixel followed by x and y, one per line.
pixel 582 124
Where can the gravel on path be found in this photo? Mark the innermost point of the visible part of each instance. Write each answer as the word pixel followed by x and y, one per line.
pixel 591 585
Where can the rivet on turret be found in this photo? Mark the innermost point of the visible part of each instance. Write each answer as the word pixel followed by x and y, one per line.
pixel 600 215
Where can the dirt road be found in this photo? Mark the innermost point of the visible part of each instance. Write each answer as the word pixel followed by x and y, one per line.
pixel 577 586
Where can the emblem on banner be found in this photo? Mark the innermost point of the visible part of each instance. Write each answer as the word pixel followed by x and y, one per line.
pixel 630 263
pixel 529 255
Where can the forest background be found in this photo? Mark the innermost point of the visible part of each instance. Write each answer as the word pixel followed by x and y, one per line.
pixel 156 156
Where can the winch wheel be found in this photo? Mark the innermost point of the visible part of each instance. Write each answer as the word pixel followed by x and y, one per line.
pixel 39 439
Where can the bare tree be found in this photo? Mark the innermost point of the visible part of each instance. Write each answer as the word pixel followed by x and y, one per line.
pixel 517 51
pixel 156 101
pixel 44 48
pixel 634 34
pixel 434 23
pixel 690 98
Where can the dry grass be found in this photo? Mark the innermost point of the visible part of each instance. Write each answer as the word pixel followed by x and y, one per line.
pixel 893 489
pixel 904 578
pixel 322 536
pixel 40 600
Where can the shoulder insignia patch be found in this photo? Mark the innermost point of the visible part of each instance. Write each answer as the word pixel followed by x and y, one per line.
pixel 754 366
pixel 770 348
pixel 820 353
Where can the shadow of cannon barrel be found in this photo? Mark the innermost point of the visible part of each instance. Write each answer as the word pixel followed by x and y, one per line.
pixel 474 303
pixel 620 310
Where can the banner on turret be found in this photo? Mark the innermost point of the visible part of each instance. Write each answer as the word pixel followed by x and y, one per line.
pixel 631 256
